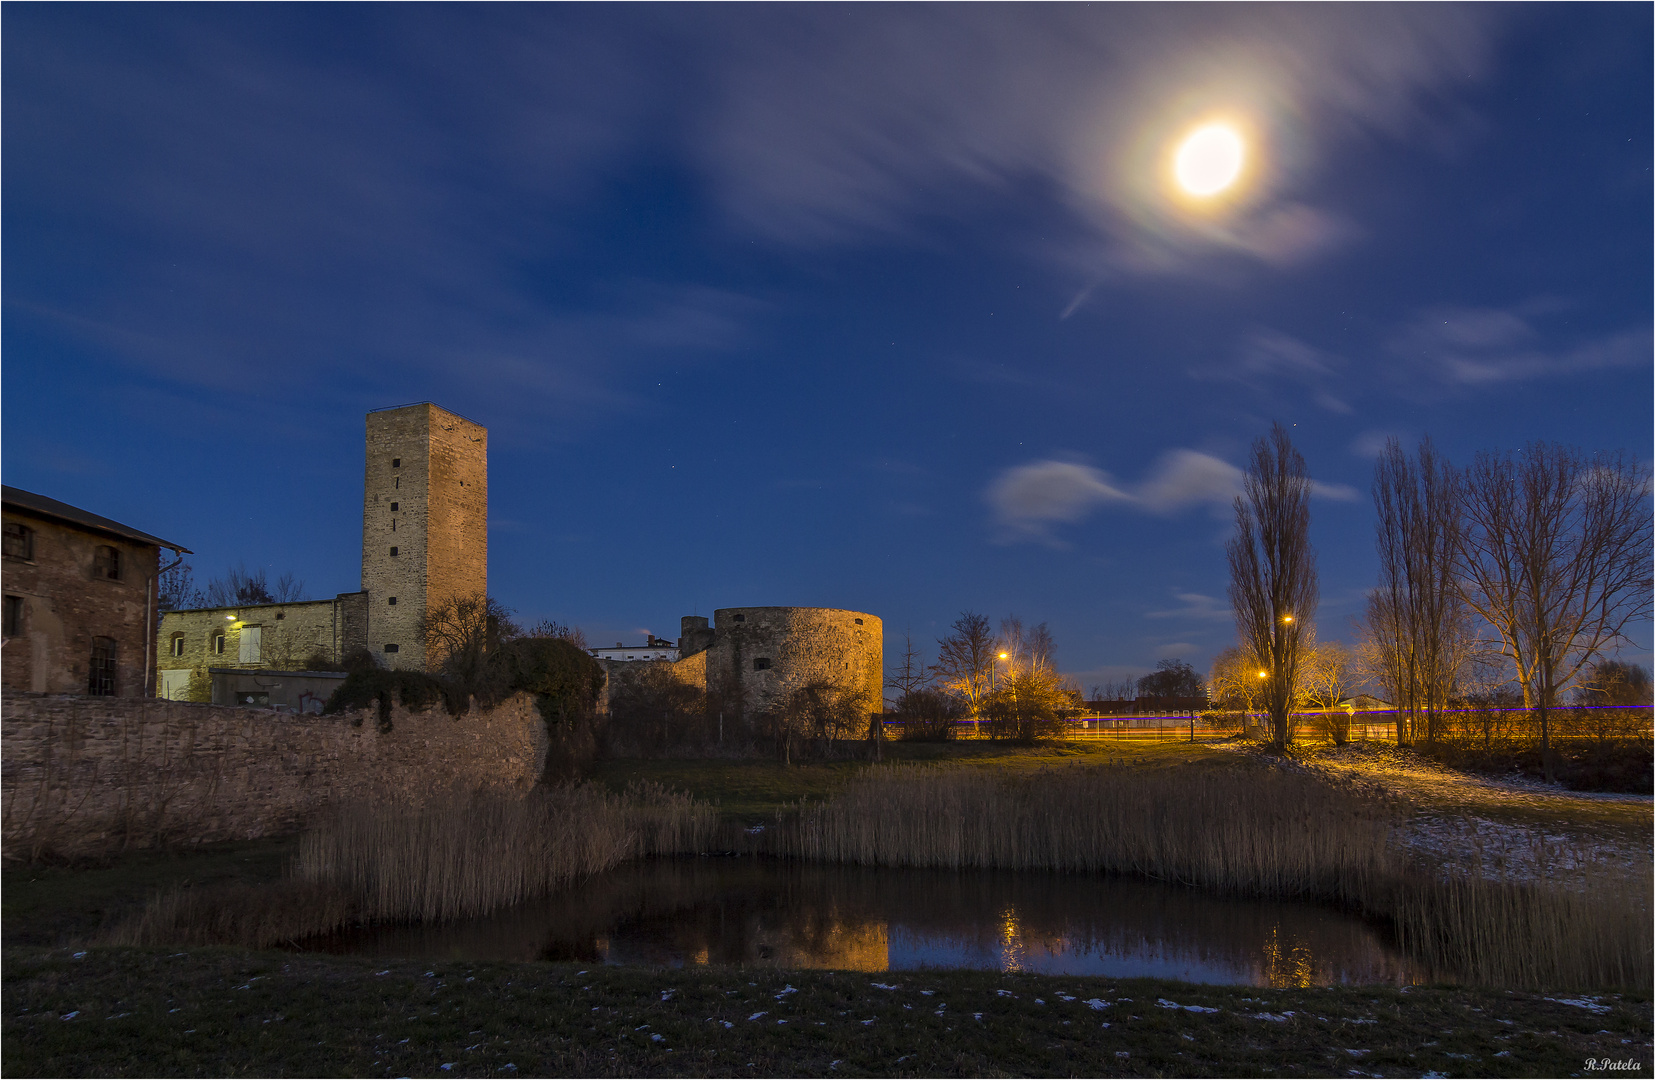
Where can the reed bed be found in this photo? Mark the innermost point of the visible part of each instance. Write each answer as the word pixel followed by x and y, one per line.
pixel 454 858
pixel 242 915
pixel 1264 832
pixel 470 854
pixel 1530 934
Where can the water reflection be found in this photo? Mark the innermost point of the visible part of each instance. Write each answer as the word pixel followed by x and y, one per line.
pixel 760 912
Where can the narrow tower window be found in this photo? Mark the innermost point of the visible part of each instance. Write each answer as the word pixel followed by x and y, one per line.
pixel 393 551
pixel 396 463
pixel 761 663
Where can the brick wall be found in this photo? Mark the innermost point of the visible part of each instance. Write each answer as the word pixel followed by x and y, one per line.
pixel 65 607
pixel 85 776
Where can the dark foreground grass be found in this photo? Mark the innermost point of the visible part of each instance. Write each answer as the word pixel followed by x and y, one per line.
pixel 218 1012
pixel 754 791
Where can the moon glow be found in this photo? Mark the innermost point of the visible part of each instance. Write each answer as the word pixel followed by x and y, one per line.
pixel 1209 160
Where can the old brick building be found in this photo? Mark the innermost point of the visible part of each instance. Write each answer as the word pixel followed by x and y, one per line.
pixel 80 596
pixel 424 540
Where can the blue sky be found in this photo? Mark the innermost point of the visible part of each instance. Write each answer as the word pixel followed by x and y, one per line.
pixel 878 307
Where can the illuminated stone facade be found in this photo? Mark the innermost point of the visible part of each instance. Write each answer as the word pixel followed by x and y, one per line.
pixel 424 522
pixel 760 654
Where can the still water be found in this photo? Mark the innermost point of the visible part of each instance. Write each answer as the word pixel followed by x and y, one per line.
pixel 760 912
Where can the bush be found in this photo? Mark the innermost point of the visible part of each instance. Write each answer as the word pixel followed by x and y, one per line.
pixel 369 686
pixel 564 680
pixel 1027 707
pixel 928 716
pixel 652 711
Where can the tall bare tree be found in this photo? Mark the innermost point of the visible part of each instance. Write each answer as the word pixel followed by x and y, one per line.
pixel 1417 616
pixel 965 660
pixel 910 674
pixel 462 634
pixel 1556 556
pixel 1273 571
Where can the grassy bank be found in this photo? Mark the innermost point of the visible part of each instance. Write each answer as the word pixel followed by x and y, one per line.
pixel 221 1012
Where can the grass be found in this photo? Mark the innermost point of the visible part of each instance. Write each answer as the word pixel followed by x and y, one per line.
pixel 755 791
pixel 67 903
pixel 221 1012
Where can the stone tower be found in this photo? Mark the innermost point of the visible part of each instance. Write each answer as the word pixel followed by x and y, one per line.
pixel 424 522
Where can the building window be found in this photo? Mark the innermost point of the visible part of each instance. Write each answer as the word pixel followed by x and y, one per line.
pixel 740 618
pixel 281 614
pixel 106 563
pixel 761 663
pixel 100 681
pixel 178 644
pixel 218 644
pixel 392 647
pixel 396 463
pixel 858 622
pixel 19 541
pixel 396 481
pixel 393 551
pixel 393 524
pixel 249 648
pixel 392 601
pixel 14 616
pixel 393 507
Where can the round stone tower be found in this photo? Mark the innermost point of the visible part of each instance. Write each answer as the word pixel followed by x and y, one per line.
pixel 766 652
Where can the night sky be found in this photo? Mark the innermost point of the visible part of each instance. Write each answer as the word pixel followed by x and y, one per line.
pixel 876 307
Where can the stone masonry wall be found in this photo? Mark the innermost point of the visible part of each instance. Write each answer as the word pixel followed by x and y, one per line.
pixel 289 634
pixel 802 645
pixel 84 776
pixel 65 606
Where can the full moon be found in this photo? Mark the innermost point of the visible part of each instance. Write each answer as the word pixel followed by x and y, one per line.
pixel 1208 160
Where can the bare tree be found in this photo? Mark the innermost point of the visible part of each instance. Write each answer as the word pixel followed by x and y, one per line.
pixel 1172 679
pixel 1236 682
pixel 1416 616
pixel 550 628
pixel 965 660
pixel 238 585
pixel 1556 556
pixel 1328 676
pixel 1273 571
pixel 911 674
pixel 462 634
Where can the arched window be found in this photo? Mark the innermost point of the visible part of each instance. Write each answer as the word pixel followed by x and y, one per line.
pixel 100 680
pixel 106 563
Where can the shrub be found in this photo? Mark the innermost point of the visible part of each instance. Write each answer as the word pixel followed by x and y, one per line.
pixel 415 689
pixel 928 715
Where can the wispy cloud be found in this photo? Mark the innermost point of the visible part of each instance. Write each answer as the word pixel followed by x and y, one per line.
pixel 828 125
pixel 1195 606
pixel 1470 347
pixel 1029 500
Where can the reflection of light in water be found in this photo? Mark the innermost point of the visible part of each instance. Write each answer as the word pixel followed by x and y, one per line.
pixel 1294 968
pixel 1012 949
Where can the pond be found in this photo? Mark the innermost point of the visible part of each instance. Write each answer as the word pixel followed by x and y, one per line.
pixel 763 912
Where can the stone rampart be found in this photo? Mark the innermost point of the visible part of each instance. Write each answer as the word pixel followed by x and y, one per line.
pixel 85 776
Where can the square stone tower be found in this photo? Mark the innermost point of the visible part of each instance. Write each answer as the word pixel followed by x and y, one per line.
pixel 424 522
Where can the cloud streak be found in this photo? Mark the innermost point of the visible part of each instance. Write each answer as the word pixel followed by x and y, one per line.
pixel 1028 501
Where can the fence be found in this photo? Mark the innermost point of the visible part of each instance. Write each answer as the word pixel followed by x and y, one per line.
pixel 1486 724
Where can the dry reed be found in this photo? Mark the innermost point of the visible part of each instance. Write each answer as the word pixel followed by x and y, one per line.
pixel 1529 934
pixel 470 854
pixel 1263 832
pixel 456 857
pixel 244 915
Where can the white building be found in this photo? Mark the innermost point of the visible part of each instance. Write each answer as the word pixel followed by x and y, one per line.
pixel 655 649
